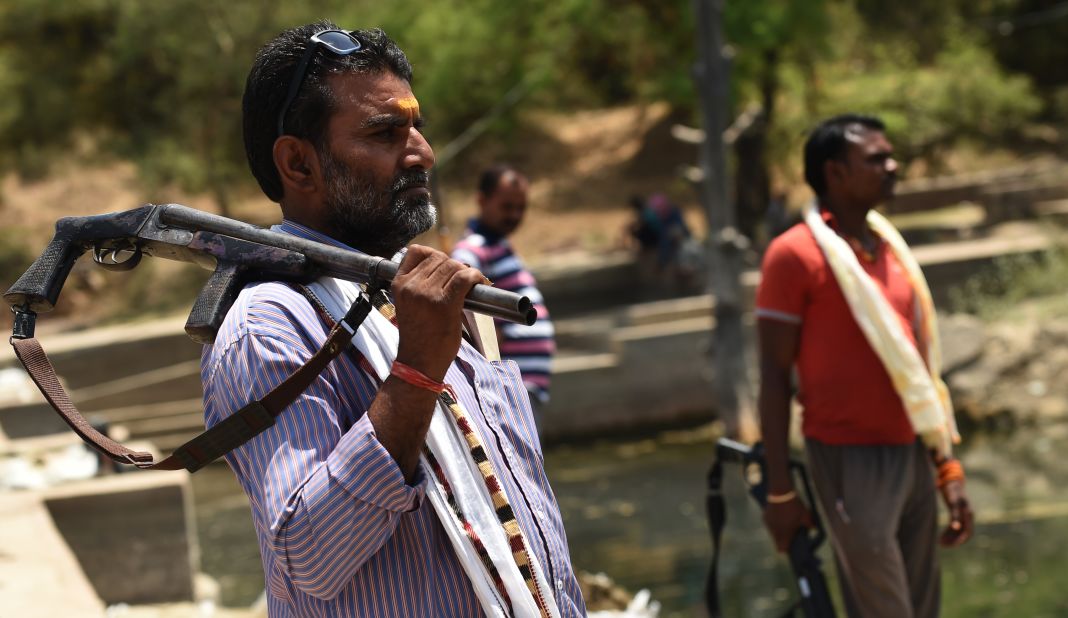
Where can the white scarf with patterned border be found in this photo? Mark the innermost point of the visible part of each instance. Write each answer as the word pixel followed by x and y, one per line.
pixel 919 385
pixel 377 340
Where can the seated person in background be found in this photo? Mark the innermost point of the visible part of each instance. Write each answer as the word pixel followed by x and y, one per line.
pixel 665 243
pixel 645 228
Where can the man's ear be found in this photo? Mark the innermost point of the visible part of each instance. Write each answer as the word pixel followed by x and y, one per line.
pixel 833 171
pixel 297 163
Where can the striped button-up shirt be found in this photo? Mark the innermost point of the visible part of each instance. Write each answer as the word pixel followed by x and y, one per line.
pixel 531 347
pixel 340 531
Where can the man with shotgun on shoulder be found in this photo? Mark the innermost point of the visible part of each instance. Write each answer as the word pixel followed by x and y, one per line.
pixel 407 480
pixel 842 300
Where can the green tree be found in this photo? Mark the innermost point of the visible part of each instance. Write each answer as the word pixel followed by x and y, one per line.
pixel 769 36
pixel 160 83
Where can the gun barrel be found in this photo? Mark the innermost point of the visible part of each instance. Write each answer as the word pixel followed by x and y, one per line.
pixel 343 264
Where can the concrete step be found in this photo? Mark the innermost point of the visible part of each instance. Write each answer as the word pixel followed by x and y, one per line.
pixel 669 310
pixel 152 411
pixel 162 384
pixel 585 333
pixel 188 422
pixel 169 442
pixel 1052 210
pixel 116 351
pixel 656 373
pixel 132 533
pixel 981 249
pixel 569 363
pixel 40 574
pixel 925 194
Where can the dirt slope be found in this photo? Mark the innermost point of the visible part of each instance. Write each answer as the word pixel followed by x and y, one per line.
pixel 583 167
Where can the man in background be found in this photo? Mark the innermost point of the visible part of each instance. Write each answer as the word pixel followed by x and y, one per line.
pixel 842 299
pixel 502 203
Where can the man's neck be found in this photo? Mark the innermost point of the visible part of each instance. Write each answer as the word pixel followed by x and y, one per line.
pixel 491 234
pixel 851 219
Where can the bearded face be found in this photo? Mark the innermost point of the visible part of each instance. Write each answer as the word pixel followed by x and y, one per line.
pixel 376 218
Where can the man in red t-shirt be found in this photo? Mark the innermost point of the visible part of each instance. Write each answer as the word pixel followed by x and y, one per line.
pixel 874 479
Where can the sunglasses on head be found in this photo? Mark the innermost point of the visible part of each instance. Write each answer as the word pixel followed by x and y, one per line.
pixel 337 42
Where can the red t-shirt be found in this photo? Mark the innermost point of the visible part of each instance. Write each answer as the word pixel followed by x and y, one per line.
pixel 845 390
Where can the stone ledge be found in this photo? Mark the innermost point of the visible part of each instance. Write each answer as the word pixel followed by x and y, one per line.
pixel 39 574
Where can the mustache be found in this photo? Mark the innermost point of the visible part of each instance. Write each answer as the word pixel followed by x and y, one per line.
pixel 418 178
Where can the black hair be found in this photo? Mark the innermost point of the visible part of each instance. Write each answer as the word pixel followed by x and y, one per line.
pixel 829 141
pixel 491 177
pixel 309 114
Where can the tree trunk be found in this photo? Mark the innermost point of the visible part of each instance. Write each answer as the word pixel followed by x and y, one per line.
pixel 752 181
pixel 734 400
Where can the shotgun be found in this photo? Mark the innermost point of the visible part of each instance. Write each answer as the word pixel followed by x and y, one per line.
pixel 237 252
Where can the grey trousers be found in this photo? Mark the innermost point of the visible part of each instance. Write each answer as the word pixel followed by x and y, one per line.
pixel 881 508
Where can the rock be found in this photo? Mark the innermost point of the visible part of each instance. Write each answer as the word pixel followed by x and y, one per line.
pixel 969 389
pixel 1054 334
pixel 1010 347
pixel 962 337
pixel 1051 409
pixel 1020 375
pixel 605 599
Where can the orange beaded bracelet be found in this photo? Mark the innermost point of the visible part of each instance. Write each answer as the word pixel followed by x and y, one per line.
pixel 950 470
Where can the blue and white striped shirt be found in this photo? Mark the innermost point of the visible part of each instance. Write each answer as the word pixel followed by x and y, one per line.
pixel 340 532
pixel 531 347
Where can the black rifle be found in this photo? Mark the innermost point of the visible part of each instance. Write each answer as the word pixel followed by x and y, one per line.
pixel 815 601
pixel 239 253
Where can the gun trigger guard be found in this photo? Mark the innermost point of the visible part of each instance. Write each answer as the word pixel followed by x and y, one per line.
pixel 108 258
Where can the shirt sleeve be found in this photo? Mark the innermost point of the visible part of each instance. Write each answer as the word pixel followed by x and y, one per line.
pixel 328 497
pixel 782 293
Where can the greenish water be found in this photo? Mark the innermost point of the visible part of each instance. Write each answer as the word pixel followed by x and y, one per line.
pixel 635 511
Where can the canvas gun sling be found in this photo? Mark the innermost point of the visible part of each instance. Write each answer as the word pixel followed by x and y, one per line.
pixel 223 437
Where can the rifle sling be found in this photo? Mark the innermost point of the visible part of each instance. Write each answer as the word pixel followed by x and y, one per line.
pixel 717 518
pixel 223 437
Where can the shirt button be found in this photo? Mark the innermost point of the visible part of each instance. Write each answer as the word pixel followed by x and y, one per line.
pixel 559 584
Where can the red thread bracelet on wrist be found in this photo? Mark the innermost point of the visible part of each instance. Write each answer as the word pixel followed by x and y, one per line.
pixel 416 378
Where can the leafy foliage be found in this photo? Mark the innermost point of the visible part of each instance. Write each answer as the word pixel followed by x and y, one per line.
pixel 160 83
pixel 963 93
pixel 14 254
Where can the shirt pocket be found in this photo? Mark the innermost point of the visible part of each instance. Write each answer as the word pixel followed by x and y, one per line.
pixel 517 417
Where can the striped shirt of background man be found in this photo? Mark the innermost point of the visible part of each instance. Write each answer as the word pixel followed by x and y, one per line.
pixel 340 532
pixel 531 347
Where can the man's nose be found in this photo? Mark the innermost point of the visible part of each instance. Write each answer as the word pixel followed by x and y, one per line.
pixel 891 165
pixel 418 153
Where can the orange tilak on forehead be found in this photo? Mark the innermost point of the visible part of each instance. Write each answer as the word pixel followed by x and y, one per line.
pixel 409 105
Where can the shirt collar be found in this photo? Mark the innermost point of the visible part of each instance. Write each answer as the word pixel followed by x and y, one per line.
pixel 303 231
pixel 828 217
pixel 477 227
